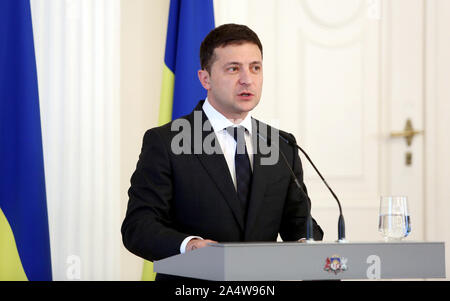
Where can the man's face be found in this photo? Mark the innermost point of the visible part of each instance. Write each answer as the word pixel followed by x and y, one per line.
pixel 235 82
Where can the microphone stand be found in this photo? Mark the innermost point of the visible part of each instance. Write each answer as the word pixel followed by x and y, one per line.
pixel 341 222
pixel 309 224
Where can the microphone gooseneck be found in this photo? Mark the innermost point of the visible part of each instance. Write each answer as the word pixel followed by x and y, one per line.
pixel 309 224
pixel 341 222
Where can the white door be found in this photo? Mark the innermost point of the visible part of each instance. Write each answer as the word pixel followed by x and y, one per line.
pixel 403 75
pixel 341 76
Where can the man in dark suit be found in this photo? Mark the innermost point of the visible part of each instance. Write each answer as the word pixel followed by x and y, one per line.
pixel 208 177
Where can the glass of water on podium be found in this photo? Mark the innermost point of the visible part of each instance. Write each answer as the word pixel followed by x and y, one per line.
pixel 394 220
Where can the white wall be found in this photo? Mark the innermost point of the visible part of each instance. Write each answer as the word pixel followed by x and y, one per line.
pixel 143 35
pixel 437 124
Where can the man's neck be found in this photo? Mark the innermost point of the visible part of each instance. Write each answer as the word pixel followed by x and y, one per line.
pixel 234 118
pixel 220 121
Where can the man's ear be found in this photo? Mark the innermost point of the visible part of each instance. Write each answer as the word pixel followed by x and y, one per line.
pixel 203 77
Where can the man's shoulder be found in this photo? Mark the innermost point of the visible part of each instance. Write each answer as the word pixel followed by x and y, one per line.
pixel 168 130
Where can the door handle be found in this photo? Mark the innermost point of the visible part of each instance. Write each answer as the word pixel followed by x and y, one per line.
pixel 408 133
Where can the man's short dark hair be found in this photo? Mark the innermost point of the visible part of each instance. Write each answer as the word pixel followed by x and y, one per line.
pixel 227 34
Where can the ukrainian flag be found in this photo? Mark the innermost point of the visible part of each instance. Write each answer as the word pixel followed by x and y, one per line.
pixel 24 234
pixel 189 23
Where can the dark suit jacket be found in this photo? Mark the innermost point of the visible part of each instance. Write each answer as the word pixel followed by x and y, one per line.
pixel 175 196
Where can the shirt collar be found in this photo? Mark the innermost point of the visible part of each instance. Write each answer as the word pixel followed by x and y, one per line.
pixel 220 122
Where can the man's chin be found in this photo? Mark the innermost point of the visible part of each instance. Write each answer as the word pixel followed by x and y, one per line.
pixel 246 106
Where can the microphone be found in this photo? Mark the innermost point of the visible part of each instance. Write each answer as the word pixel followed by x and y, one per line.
pixel 341 223
pixel 309 224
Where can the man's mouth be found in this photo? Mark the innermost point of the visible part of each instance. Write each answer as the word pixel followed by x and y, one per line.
pixel 245 94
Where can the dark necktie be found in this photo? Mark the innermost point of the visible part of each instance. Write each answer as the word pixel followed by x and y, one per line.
pixel 242 165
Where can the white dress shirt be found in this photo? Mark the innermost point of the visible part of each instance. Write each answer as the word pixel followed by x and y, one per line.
pixel 227 143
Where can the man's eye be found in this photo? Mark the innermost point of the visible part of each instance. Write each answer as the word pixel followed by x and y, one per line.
pixel 232 69
pixel 256 68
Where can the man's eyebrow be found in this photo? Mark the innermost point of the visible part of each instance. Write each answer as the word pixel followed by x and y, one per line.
pixel 238 63
pixel 233 63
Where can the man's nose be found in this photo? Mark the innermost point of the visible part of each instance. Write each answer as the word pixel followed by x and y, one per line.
pixel 245 77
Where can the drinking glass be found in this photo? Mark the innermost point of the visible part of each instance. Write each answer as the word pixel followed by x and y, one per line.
pixel 394 220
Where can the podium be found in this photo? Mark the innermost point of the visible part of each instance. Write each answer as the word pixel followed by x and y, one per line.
pixel 308 261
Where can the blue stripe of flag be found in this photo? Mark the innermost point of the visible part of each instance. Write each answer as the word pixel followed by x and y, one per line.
pixel 22 181
pixel 189 23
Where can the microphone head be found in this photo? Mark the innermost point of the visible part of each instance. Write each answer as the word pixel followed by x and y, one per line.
pixel 287 138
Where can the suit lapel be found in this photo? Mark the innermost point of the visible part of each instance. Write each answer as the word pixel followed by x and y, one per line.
pixel 217 168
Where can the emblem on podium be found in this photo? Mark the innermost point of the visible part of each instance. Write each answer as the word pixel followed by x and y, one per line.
pixel 335 264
